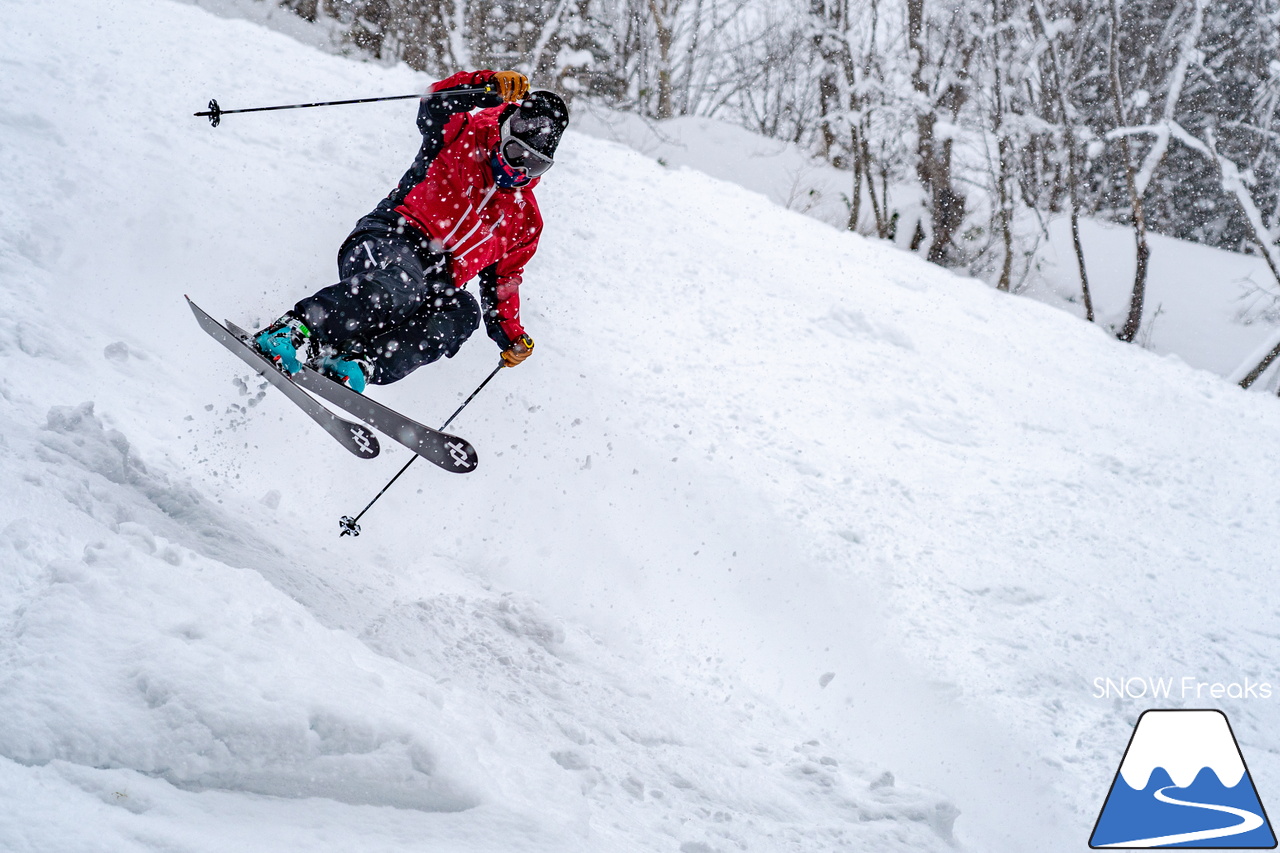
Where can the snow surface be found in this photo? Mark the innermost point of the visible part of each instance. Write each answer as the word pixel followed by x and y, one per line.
pixel 784 540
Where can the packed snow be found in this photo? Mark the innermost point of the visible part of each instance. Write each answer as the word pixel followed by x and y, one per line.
pixel 783 539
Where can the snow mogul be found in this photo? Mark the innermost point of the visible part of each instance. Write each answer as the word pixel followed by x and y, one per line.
pixel 464 208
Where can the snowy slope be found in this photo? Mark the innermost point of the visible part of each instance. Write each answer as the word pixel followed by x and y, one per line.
pixel 774 516
pixel 781 171
pixel 1211 308
pixel 183 669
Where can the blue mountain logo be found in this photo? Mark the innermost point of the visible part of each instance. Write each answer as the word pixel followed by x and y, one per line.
pixel 1183 783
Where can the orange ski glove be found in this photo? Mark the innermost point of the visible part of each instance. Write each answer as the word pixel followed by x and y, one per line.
pixel 518 351
pixel 512 85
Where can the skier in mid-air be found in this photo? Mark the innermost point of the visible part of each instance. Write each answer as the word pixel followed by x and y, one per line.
pixel 464 208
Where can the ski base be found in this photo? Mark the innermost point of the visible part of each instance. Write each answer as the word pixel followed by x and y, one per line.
pixel 356 438
pixel 447 451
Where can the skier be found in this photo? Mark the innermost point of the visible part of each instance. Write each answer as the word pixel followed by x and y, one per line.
pixel 464 208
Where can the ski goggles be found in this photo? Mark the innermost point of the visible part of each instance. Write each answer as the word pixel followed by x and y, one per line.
pixel 518 154
pixel 504 175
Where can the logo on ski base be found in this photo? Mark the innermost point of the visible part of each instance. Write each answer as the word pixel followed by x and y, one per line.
pixel 1183 783
pixel 361 440
pixel 458 452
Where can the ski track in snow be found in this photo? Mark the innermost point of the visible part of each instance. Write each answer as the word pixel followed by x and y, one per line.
pixel 773 509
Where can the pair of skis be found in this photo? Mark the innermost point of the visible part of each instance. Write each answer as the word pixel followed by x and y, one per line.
pixel 447 451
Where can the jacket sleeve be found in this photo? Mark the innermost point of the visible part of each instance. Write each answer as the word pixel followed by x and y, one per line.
pixel 441 119
pixel 500 295
pixel 444 101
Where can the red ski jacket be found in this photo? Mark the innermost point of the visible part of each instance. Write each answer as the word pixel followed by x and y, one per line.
pixel 457 204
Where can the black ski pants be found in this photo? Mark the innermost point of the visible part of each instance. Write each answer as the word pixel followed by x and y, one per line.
pixel 396 304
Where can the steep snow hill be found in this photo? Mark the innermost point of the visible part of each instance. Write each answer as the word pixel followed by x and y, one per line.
pixel 783 540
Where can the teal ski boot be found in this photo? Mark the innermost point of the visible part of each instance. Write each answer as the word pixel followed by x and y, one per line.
pixel 351 369
pixel 281 341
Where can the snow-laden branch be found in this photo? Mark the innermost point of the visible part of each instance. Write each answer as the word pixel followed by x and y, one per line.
pixel 458 45
pixel 544 37
pixel 1233 181
pixel 1187 51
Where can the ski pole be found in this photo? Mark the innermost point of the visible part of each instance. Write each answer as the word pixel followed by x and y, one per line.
pixel 215 112
pixel 348 524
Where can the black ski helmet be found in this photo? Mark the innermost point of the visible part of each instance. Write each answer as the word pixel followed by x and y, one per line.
pixel 540 121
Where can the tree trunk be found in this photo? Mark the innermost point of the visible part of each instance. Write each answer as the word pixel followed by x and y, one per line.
pixel 1076 244
pixel 829 19
pixel 663 27
pixel 1261 367
pixel 691 55
pixel 933 163
pixel 877 208
pixel 855 203
pixel 1004 198
pixel 1134 321
pixel 1073 163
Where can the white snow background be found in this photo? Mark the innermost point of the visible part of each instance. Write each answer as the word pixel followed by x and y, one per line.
pixel 783 539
